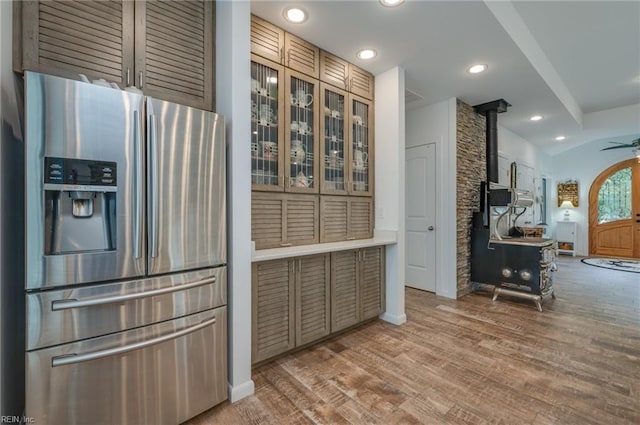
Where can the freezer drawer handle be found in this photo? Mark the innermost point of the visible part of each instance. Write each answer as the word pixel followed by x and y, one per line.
pixel 75 303
pixel 73 358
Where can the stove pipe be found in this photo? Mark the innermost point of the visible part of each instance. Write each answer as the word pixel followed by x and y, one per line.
pixel 491 110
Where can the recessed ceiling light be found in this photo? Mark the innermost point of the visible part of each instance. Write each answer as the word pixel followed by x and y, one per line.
pixel 295 15
pixel 536 118
pixel 366 54
pixel 559 138
pixel 476 69
pixel 391 3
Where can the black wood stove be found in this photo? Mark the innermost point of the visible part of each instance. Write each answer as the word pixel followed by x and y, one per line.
pixel 500 254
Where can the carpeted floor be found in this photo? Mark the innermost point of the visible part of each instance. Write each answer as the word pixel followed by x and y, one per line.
pixel 621 264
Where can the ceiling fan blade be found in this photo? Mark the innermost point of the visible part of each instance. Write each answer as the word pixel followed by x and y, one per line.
pixel 619 147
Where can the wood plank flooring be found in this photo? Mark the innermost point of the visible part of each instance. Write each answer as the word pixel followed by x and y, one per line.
pixel 469 361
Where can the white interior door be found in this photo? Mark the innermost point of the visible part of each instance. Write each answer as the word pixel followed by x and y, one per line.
pixel 420 216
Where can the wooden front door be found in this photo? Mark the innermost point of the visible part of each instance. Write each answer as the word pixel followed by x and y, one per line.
pixel 614 211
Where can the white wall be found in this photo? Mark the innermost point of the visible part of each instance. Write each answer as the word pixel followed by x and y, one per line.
pixel 437 124
pixel 583 164
pixel 233 100
pixel 389 183
pixel 515 148
pixel 522 151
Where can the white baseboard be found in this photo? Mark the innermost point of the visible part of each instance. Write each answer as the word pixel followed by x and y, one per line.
pixel 394 319
pixel 238 392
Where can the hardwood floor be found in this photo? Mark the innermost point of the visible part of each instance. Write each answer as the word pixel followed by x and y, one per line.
pixel 470 361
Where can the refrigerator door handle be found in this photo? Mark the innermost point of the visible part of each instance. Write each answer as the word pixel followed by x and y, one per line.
pixel 138 184
pixel 70 303
pixel 74 358
pixel 153 153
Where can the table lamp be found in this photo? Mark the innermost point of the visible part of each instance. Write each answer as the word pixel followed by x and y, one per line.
pixel 567 205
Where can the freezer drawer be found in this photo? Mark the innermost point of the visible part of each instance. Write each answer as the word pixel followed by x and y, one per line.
pixel 159 374
pixel 61 316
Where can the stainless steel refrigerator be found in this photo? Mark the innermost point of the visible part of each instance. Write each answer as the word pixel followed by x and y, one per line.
pixel 125 256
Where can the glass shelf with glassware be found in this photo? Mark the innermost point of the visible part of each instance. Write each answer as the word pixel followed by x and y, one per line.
pixel 334 142
pixel 361 152
pixel 266 133
pixel 302 128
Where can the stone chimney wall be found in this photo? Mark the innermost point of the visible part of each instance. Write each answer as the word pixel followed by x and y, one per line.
pixel 471 165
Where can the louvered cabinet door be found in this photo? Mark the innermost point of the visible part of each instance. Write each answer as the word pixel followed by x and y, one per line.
pixel 267 40
pixel 345 294
pixel 361 82
pixel 360 220
pixel 334 71
pixel 312 298
pixel 67 38
pixel 273 315
pixel 372 272
pixel 301 220
pixel 301 55
pixel 267 220
pixel 174 43
pixel 333 218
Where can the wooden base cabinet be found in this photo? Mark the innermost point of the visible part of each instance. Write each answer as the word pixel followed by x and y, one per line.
pixel 357 286
pixel 299 300
pixel 273 315
pixel 312 298
pixel 372 282
pixel 290 304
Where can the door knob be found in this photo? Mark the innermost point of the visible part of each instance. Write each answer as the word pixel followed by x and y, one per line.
pixel 430 228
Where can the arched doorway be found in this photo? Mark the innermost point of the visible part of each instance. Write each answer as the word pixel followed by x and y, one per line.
pixel 614 211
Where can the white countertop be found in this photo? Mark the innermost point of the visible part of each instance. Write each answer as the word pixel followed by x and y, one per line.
pixel 380 237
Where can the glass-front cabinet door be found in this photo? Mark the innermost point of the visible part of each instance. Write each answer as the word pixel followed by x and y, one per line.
pixel 361 153
pixel 267 89
pixel 335 151
pixel 301 134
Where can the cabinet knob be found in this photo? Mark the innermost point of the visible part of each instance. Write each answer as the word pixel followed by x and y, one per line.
pixel 430 228
pixel 140 79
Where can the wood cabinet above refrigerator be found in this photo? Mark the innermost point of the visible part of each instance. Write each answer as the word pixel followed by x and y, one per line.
pixel 164 48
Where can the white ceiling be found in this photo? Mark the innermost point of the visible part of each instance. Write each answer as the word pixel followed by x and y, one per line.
pixel 577 63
